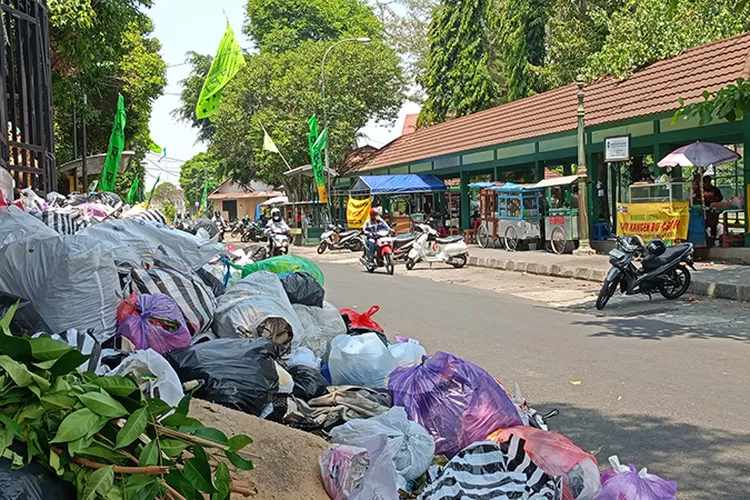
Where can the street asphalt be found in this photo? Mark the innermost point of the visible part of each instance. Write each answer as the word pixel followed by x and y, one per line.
pixel 670 393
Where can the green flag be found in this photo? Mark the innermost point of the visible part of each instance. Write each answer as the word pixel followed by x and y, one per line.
pixel 155 148
pixel 114 151
pixel 132 198
pixel 321 142
pixel 317 144
pixel 204 198
pixel 228 61
pixel 151 195
pixel 312 123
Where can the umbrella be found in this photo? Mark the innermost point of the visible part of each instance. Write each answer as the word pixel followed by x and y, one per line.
pixel 699 154
pixel 275 201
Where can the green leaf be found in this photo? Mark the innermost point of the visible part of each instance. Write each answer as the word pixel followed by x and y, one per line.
pixel 116 385
pixel 8 317
pixel 134 427
pixel 12 426
pixel 76 425
pixel 18 372
pixel 100 453
pixel 214 435
pixel 99 483
pixel 184 406
pixel 114 494
pixel 47 348
pixel 149 455
pixel 17 348
pixel 222 482
pixel 238 461
pixel 103 404
pixel 238 442
pixel 69 362
pixel 54 462
pixel 32 411
pixel 182 423
pixel 158 407
pixel 75 447
pixel 197 470
pixel 173 447
pixel 141 487
pixel 176 479
pixel 45 365
pixel 57 401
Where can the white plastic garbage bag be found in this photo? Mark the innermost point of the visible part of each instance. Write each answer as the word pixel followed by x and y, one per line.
pixel 410 444
pixel 286 382
pixel 16 225
pixel 361 360
pixel 407 353
pixel 319 326
pixel 147 364
pixel 302 356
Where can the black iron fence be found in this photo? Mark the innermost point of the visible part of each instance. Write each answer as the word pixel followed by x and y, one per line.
pixel 26 129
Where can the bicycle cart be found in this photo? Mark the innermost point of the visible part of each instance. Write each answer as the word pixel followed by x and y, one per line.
pixel 561 220
pixel 509 213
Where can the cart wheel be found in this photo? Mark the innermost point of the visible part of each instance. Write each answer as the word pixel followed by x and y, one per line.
pixel 511 239
pixel 484 238
pixel 558 242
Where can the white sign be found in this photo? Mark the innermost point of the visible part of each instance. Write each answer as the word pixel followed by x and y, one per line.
pixel 617 148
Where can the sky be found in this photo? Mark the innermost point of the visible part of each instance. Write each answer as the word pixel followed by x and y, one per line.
pixel 198 25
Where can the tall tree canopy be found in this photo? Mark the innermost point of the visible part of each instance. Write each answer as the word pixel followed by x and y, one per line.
pixel 193 175
pixel 457 79
pixel 101 49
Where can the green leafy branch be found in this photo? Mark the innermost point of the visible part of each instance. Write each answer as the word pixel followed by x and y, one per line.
pixel 728 103
pixel 102 434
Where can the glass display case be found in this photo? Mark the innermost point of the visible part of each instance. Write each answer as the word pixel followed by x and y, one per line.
pixel 661 192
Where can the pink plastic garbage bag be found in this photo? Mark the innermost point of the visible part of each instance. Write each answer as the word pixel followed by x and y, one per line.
pixel 153 321
pixel 456 401
pixel 626 483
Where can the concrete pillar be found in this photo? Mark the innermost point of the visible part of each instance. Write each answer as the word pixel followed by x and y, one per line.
pixel 464 190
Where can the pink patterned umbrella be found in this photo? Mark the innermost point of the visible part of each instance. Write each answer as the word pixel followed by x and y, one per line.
pixel 699 154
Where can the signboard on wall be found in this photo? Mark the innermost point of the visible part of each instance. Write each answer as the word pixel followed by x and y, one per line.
pixel 617 148
pixel 666 221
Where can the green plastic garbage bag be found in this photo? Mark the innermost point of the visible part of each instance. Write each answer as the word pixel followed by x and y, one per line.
pixel 283 264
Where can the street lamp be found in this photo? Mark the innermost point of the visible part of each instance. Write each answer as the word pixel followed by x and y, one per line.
pixel 364 40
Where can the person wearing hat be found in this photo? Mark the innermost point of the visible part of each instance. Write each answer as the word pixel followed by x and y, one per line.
pixel 373 226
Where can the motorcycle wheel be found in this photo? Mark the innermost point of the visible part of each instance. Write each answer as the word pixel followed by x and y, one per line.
pixel 322 247
pixel 370 267
pixel 356 245
pixel 608 290
pixel 459 262
pixel 410 263
pixel 245 238
pixel 389 264
pixel 678 284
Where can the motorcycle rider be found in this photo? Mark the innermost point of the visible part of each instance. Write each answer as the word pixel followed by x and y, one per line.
pixel 372 227
pixel 276 225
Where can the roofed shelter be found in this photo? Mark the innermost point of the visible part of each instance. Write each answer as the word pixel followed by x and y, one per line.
pixel 540 130
pixel 236 201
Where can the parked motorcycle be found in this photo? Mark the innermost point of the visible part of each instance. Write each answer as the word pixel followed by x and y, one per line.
pixel 221 225
pixel 253 231
pixel 338 239
pixel 428 247
pixel 663 270
pixel 382 256
pixel 402 245
pixel 278 242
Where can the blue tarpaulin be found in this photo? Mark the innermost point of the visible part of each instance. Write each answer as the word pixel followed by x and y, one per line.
pixel 397 184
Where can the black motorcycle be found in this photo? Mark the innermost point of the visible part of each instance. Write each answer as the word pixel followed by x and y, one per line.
pixel 662 270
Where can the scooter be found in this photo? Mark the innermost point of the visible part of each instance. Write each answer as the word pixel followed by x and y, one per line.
pixel 278 242
pixel 402 245
pixel 428 247
pixel 666 273
pixel 338 239
pixel 252 231
pixel 382 256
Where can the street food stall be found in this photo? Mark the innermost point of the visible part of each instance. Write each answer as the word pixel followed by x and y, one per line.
pixel 561 218
pixel 396 194
pixel 304 212
pixel 509 212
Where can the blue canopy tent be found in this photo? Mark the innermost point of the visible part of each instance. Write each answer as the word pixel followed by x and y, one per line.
pixel 371 185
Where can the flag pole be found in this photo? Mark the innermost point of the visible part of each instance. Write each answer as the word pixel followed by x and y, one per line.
pixel 288 167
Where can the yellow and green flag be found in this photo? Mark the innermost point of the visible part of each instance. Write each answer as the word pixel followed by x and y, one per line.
pixel 227 63
pixel 204 198
pixel 317 144
pixel 114 151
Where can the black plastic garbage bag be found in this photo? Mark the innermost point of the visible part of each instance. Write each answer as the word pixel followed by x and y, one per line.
pixel 26 319
pixel 33 482
pixel 237 373
pixel 308 382
pixel 302 288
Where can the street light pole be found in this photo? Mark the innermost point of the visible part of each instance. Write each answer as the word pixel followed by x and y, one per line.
pixel 584 246
pixel 323 84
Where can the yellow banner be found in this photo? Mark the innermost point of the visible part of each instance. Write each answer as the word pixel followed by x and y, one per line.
pixel 357 212
pixel 666 221
pixel 323 194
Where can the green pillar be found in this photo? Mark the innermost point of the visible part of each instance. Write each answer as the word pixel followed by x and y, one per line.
pixel 660 151
pixel 592 164
pixel 746 175
pixel 567 169
pixel 342 210
pixel 464 190
pixel 528 174
pixel 539 170
pixel 495 174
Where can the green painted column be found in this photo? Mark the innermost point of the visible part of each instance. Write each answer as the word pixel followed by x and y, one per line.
pixel 528 174
pixel 592 165
pixel 660 151
pixel 567 169
pixel 464 190
pixel 746 174
pixel 538 170
pixel 495 174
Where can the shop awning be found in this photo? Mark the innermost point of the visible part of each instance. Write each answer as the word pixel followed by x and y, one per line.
pixel 557 181
pixel 510 187
pixel 397 184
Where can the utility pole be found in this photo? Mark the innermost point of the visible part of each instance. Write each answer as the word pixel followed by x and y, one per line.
pixel 584 246
pixel 84 155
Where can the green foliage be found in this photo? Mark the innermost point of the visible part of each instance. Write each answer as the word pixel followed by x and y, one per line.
pixel 457 79
pixel 193 175
pixel 170 212
pixel 81 426
pixel 729 103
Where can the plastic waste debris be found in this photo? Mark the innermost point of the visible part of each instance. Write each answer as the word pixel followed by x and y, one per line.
pixel 360 360
pixel 627 483
pixel 155 376
pixel 152 321
pixel 301 288
pixel 408 353
pixel 282 265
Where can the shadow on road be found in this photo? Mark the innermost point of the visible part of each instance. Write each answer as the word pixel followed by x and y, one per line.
pixel 705 463
pixel 654 329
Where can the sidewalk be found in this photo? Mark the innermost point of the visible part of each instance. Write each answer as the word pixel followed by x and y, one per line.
pixel 713 280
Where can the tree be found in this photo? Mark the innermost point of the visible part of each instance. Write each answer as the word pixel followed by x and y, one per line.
pixel 193 175
pixel 457 79
pixel 729 103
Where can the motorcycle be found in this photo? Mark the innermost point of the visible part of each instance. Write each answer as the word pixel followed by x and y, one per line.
pixel 665 272
pixel 237 226
pixel 428 247
pixel 253 231
pixel 382 256
pixel 337 239
pixel 402 245
pixel 221 226
pixel 278 242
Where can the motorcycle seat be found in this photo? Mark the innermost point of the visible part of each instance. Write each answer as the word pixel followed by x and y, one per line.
pixel 450 239
pixel 405 237
pixel 655 261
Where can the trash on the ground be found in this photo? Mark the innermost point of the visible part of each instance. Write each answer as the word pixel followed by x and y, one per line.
pixel 302 288
pixel 152 321
pixel 309 383
pixel 575 382
pixel 26 318
pixel 456 401
pixel 338 405
pixel 358 322
pixel 32 482
pixel 359 473
pixel 320 325
pixel 556 455
pixel 407 353
pixel 411 446
pixel 286 382
pixel 303 356
pixel 238 373
pixel 155 376
pixel 360 360
pixel 627 483
pixel 485 470
pixel 283 265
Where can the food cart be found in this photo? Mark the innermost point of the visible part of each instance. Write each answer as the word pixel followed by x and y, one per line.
pixel 561 219
pixel 509 212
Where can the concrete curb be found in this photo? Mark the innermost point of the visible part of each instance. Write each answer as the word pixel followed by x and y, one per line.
pixel 729 291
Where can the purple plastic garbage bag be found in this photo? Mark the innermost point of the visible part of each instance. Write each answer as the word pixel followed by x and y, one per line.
pixel 627 483
pixel 456 401
pixel 155 322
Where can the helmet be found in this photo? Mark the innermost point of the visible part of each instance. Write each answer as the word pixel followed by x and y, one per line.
pixel 373 212
pixel 276 214
pixel 656 247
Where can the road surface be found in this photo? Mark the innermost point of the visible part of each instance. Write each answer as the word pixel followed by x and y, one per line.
pixel 669 393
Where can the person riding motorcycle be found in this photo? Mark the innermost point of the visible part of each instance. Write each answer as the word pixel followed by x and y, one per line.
pixel 373 226
pixel 276 225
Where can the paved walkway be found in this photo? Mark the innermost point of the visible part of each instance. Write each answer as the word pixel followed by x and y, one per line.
pixel 714 280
